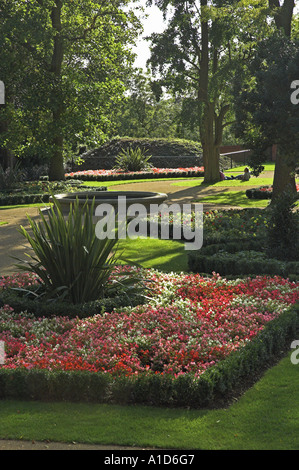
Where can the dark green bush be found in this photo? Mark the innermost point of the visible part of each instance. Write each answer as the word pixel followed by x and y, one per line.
pixel 240 263
pixel 38 307
pixel 283 229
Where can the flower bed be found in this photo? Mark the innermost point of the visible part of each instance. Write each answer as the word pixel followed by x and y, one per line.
pixel 264 192
pixel 101 175
pixel 189 324
pixel 194 341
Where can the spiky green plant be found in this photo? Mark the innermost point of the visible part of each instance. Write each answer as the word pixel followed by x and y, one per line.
pixel 133 159
pixel 71 262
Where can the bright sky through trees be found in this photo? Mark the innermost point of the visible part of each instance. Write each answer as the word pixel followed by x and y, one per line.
pixel 153 24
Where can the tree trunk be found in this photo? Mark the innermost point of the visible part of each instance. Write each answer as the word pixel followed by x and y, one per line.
pixel 210 146
pixel 56 170
pixel 7 158
pixel 284 174
pixel 284 177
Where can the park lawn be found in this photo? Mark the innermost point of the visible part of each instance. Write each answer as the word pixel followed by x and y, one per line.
pixel 188 182
pixel 233 198
pixel 266 417
pixel 226 183
pixel 165 255
pixel 110 183
pixel 240 169
pixel 23 206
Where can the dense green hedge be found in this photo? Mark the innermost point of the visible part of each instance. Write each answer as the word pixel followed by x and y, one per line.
pixel 41 308
pixel 22 199
pixel 153 389
pixel 241 263
pixel 14 199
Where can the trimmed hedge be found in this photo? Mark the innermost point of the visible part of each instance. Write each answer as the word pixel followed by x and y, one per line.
pixel 245 257
pixel 47 309
pixel 22 199
pixel 153 389
pixel 226 263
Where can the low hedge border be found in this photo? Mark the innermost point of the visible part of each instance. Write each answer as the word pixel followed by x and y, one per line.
pixel 213 385
pixel 22 199
pixel 48 309
pixel 232 264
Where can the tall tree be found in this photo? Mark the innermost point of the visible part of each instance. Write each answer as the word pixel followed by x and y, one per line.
pixel 265 114
pixel 284 175
pixel 75 58
pixel 196 56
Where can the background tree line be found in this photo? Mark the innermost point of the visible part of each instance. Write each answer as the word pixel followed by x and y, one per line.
pixel 214 74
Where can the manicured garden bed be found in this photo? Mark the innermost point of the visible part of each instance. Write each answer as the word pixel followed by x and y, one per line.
pixel 193 340
pixel 102 175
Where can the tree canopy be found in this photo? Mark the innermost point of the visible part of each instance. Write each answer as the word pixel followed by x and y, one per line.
pixel 64 64
pixel 196 57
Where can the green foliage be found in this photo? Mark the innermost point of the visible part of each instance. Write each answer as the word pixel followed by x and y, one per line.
pixel 133 159
pixel 72 263
pixel 146 112
pixel 283 229
pixel 248 262
pixel 64 64
pixel 264 111
pixel 10 177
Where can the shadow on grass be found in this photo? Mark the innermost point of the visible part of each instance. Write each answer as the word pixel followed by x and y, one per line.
pixel 165 255
pixel 233 198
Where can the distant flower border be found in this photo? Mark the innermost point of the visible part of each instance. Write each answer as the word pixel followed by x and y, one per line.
pixel 263 192
pixel 102 175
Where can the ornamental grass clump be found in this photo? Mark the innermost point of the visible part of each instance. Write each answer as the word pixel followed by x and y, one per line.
pixel 71 263
pixel 133 160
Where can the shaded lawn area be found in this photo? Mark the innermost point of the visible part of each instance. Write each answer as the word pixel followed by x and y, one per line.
pixel 165 255
pixel 233 198
pixel 266 417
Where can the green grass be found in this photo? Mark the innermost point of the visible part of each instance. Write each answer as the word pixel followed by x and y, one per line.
pixel 226 183
pixel 233 198
pixel 165 255
pixel 23 206
pixel 266 417
pixel 111 183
